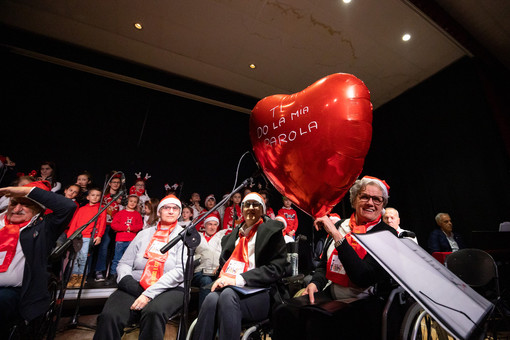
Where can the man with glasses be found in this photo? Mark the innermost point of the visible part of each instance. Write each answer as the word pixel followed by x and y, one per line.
pixel 27 236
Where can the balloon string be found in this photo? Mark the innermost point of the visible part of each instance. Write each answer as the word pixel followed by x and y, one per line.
pixel 237 170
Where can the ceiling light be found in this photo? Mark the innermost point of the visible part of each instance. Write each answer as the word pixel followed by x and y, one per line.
pixel 347 1
pixel 406 37
pixel 138 26
pixel 252 66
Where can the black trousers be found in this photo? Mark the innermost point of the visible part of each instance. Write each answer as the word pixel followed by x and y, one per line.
pixel 153 318
pixel 225 310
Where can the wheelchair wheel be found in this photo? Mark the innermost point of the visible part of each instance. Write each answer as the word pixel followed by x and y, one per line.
pixel 418 324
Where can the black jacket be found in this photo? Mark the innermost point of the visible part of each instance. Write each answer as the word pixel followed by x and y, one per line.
pixel 37 240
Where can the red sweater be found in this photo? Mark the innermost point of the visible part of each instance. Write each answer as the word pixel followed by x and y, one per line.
pixel 82 216
pixel 291 217
pixel 124 219
pixel 228 217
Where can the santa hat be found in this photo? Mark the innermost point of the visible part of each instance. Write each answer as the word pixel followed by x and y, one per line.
pixel 210 197
pixel 382 184
pixel 170 199
pixel 214 216
pixel 45 185
pixel 334 217
pixel 281 219
pixel 254 196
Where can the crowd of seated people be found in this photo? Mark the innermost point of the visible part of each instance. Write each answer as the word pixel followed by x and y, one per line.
pixel 242 244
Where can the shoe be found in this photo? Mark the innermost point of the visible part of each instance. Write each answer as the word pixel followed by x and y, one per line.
pixel 77 284
pixel 112 280
pixel 99 277
pixel 72 281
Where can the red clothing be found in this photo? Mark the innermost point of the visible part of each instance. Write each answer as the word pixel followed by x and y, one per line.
pixel 228 217
pixel 124 219
pixel 292 220
pixel 270 213
pixel 82 216
pixel 112 209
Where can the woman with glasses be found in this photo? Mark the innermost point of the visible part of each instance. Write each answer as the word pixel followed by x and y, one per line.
pixel 252 256
pixel 150 284
pixel 353 274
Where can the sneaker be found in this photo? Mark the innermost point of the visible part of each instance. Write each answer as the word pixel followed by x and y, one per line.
pixel 99 277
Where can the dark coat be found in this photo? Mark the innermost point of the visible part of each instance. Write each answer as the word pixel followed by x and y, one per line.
pixel 37 241
pixel 270 255
pixel 439 243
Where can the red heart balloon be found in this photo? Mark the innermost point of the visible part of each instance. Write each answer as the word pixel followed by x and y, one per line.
pixel 312 144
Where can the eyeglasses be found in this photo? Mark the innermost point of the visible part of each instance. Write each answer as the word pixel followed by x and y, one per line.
pixel 170 207
pixel 376 199
pixel 252 205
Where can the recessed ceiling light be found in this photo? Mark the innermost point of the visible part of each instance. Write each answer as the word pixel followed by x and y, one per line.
pixel 406 37
pixel 347 1
pixel 252 66
pixel 138 26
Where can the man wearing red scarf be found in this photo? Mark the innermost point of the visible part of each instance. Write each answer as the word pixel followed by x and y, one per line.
pixel 27 236
pixel 353 274
pixel 253 255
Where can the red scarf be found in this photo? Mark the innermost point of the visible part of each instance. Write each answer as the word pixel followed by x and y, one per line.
pixel 238 262
pixel 9 236
pixel 155 266
pixel 207 237
pixel 335 271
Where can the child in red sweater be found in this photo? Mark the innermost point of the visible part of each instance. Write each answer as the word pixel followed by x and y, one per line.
pixel 81 217
pixel 290 216
pixel 127 223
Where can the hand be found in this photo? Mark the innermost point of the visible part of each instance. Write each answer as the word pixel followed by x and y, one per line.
pixel 140 302
pixel 223 282
pixel 329 227
pixel 97 240
pixel 15 191
pixel 291 233
pixel 310 290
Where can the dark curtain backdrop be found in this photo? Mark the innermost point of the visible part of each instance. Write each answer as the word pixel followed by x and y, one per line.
pixel 440 145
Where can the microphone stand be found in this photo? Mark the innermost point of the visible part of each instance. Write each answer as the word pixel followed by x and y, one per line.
pixel 58 252
pixel 191 240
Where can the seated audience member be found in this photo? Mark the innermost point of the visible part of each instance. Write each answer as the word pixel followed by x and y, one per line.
pixel 150 284
pixel 391 217
pixel 210 202
pixel 444 239
pixel 27 238
pixel 186 216
pixel 228 218
pixel 269 210
pixel 49 173
pixel 82 216
pixel 291 217
pixel 353 274
pixel 150 216
pixel 126 224
pixel 253 255
pixel 208 251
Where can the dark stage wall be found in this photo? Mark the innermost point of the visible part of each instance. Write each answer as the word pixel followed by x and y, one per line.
pixel 439 145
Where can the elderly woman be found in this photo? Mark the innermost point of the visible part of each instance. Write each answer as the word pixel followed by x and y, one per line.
pixel 253 255
pixel 150 284
pixel 352 272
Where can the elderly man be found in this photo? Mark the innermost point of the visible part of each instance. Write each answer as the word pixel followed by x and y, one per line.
pixel 444 239
pixel 26 239
pixel 392 218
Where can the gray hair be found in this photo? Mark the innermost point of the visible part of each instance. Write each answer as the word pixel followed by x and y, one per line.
pixel 361 184
pixel 438 217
